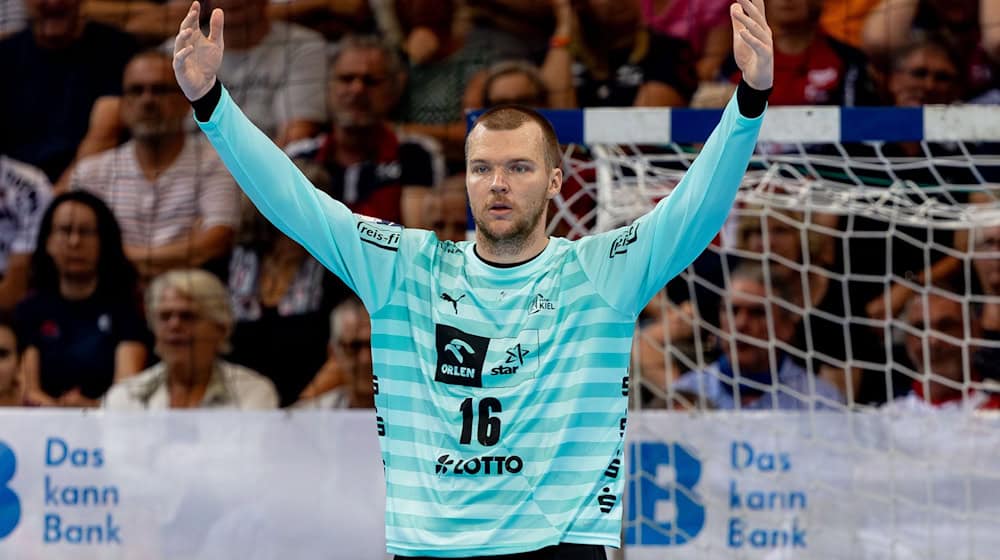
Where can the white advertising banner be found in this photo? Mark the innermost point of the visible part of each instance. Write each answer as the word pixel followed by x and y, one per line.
pixel 190 485
pixel 309 485
pixel 824 485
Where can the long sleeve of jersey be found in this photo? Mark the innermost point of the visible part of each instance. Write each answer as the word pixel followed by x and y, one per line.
pixel 362 252
pixel 630 264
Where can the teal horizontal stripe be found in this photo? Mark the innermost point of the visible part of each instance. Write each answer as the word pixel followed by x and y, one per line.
pixel 465 524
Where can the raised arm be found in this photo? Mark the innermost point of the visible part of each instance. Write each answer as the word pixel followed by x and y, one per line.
pixel 647 254
pixel 362 253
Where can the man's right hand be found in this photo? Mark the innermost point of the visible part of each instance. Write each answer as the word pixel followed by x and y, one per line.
pixel 197 58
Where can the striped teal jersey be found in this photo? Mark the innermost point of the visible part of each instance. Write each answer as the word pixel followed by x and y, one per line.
pixel 500 392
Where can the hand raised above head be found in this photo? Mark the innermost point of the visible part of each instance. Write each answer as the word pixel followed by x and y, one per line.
pixel 753 48
pixel 197 58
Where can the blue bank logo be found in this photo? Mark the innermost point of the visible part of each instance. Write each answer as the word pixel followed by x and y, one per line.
pixel 10 506
pixel 663 506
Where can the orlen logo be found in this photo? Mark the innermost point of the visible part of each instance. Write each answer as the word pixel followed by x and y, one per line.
pixel 663 506
pixel 10 506
pixel 492 465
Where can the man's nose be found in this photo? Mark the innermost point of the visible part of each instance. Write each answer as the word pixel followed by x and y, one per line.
pixel 499 181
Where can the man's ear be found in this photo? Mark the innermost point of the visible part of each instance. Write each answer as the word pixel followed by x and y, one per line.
pixel 555 183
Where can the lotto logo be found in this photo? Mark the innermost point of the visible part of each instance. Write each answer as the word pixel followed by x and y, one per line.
pixel 663 506
pixel 10 506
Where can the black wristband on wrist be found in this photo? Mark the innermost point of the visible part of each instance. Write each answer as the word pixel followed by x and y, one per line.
pixel 205 105
pixel 751 101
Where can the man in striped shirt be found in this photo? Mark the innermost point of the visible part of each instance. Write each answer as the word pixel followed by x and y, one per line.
pixel 500 364
pixel 176 203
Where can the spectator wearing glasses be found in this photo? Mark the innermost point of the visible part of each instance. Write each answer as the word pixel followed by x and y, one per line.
pixel 374 170
pixel 753 372
pixel 924 72
pixel 351 357
pixel 192 319
pixel 937 324
pixel 966 27
pixel 445 210
pixel 177 204
pixel 80 327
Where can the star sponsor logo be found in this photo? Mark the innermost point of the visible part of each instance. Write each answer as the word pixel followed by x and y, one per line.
pixel 515 359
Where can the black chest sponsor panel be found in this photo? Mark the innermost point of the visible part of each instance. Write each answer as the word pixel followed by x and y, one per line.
pixel 460 357
pixel 477 361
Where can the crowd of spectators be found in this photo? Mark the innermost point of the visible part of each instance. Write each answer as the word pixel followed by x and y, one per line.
pixel 134 274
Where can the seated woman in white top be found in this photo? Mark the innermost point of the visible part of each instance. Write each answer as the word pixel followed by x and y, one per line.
pixel 190 314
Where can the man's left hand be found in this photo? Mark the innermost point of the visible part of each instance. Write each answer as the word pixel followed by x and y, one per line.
pixel 752 44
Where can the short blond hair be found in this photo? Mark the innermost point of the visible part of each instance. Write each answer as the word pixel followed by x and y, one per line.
pixel 203 288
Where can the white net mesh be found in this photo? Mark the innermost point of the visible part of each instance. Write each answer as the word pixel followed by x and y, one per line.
pixel 876 295
pixel 860 234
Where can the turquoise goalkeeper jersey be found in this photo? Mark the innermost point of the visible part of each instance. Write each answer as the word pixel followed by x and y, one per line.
pixel 500 392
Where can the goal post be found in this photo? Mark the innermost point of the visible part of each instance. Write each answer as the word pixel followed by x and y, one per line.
pixel 876 211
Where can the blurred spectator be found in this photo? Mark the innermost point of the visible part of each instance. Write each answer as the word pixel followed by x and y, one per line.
pixel 282 298
pixel 986 263
pixel 11 384
pixel 894 23
pixel 619 62
pixel 746 377
pixel 373 170
pixel 440 88
pixel 843 19
pixel 80 327
pixel 350 348
pixel 659 341
pixel 426 27
pixel 438 73
pixel 24 194
pixel 191 317
pixel 704 24
pixel 801 260
pixel 151 21
pixel 177 204
pixel 935 334
pixel 55 71
pixel 275 70
pixel 13 17
pixel 924 72
pixel 513 82
pixel 810 67
pixel 509 29
pixel 332 18
pixel 445 210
